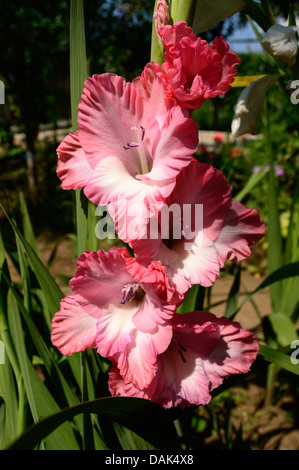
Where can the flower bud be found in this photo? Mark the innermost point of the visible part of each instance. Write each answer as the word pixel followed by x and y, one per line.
pixel 161 15
pixel 281 42
pixel 249 106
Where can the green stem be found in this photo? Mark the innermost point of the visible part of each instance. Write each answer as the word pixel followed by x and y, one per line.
pixel 183 10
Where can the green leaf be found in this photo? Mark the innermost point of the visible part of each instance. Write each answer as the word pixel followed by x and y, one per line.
pixel 207 16
pixel 183 10
pixel 129 440
pixel 274 240
pixel 78 63
pixel 78 74
pixel 9 425
pixel 280 329
pixel 27 225
pixel 140 416
pixel 290 293
pixel 279 358
pixel 254 179
pixel 232 300
pixel 19 342
pixel 194 300
pixel 40 400
pixel 93 241
pixel 287 271
pixel 51 290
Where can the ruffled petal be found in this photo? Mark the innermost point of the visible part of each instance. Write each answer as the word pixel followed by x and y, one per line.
pixel 203 352
pixel 73 329
pixel 195 70
pixel 100 277
pixel 73 168
pixel 153 85
pixel 111 115
pixel 242 228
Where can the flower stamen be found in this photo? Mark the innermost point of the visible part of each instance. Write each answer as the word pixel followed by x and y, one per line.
pixel 131 145
pixel 129 291
pixel 142 133
pixel 141 151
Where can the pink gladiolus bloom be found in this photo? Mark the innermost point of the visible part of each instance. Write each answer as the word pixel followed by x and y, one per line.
pixel 203 352
pixel 196 70
pixel 119 307
pixel 122 152
pixel 195 245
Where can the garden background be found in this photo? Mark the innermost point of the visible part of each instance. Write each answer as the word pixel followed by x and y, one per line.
pixel 39 237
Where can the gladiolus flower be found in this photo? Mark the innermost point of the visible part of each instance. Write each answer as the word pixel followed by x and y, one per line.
pixel 281 42
pixel 203 352
pixel 120 308
pixel 122 151
pixel 195 245
pixel 195 70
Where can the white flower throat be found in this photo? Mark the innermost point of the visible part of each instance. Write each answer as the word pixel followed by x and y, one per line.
pixel 140 133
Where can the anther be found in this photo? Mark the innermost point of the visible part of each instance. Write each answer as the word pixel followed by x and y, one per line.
pixel 131 145
pixel 129 291
pixel 142 132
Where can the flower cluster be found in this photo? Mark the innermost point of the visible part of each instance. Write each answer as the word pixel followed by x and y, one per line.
pixel 133 153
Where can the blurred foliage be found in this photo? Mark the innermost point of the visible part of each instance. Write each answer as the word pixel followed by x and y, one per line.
pixel 34 58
